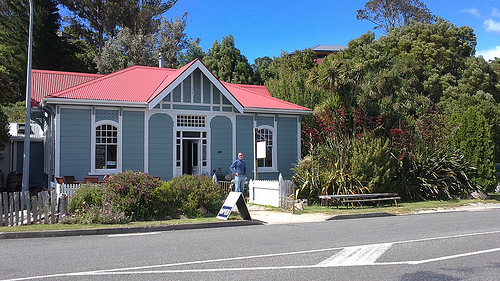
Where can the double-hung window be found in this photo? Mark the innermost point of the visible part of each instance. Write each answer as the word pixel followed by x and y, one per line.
pixel 265 133
pixel 106 148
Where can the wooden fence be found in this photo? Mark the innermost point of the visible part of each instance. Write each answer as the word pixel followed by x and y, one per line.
pixel 19 208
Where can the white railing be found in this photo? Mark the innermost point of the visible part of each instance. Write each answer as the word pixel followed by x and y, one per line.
pixel 270 192
pixel 69 189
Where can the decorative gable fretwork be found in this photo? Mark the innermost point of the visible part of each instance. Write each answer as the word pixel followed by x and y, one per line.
pixel 196 92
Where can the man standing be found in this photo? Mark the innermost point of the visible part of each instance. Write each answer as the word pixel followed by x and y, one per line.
pixel 239 167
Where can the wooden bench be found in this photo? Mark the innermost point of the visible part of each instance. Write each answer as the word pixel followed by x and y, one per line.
pixel 345 200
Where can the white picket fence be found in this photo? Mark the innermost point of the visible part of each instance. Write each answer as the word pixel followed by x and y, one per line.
pixel 68 189
pixel 271 192
pixel 18 208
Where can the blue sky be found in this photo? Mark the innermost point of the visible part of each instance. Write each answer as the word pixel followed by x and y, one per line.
pixel 265 28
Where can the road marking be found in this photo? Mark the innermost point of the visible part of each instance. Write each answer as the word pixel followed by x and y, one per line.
pixel 359 255
pixel 368 252
pixel 132 234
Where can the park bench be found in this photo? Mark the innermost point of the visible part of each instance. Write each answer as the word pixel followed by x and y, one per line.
pixel 350 199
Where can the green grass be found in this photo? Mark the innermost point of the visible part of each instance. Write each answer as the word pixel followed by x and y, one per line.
pixel 402 208
pixel 46 227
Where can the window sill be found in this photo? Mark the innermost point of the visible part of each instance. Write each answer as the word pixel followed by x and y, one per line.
pixel 261 170
pixel 103 172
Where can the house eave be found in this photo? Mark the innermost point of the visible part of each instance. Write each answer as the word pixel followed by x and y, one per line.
pixel 276 111
pixel 87 102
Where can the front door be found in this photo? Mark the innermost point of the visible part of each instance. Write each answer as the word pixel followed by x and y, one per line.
pixel 191 153
pixel 191 157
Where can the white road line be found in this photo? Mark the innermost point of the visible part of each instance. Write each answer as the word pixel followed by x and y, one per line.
pixel 359 255
pixel 368 253
pixel 132 234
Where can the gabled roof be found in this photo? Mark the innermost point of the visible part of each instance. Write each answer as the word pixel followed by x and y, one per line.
pixel 147 86
pixel 328 48
pixel 46 82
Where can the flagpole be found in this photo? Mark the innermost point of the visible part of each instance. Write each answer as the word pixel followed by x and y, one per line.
pixel 27 117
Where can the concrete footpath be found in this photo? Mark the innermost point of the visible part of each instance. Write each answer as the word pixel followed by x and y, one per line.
pixel 260 216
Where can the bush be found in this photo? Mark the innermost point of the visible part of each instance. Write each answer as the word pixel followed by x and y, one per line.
pixel 190 195
pixel 87 195
pixel 87 206
pixel 475 141
pixel 371 163
pixel 133 194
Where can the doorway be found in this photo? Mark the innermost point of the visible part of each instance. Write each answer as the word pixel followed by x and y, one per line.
pixel 191 153
pixel 191 157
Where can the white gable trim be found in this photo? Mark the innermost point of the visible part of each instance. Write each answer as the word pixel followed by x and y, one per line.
pixel 197 65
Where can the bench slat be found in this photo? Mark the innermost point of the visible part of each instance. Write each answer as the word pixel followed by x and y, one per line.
pixel 369 200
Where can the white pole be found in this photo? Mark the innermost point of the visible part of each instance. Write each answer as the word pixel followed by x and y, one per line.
pixel 27 117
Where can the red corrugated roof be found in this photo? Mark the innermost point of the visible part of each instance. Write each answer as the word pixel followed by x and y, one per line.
pixel 46 82
pixel 142 84
pixel 259 97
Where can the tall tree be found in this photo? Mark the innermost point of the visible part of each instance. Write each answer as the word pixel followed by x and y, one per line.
pixel 95 21
pixel 129 49
pixel 49 50
pixel 192 52
pixel 289 79
pixel 389 14
pixel 262 70
pixel 227 63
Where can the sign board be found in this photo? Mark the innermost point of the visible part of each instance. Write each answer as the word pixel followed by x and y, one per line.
pixel 234 199
pixel 261 149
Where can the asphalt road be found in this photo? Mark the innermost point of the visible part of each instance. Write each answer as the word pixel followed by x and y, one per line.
pixel 436 246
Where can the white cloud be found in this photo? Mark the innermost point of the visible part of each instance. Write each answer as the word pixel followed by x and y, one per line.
pixel 492 25
pixel 489 54
pixel 472 11
pixel 495 12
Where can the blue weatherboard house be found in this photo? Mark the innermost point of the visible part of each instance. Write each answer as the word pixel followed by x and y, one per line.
pixel 166 122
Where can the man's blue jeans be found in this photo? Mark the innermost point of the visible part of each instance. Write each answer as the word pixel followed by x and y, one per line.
pixel 239 183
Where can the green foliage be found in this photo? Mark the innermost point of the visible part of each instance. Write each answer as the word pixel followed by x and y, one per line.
pixel 50 52
pixel 15 111
pixel 132 193
pixel 95 21
pixel 262 70
pixel 227 63
pixel 441 175
pixel 192 52
pixel 88 206
pixel 190 195
pixel 4 132
pixel 474 140
pixel 371 163
pixel 88 195
pixel 129 48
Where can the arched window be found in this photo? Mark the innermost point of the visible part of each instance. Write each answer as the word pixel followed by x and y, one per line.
pixel 266 134
pixel 106 147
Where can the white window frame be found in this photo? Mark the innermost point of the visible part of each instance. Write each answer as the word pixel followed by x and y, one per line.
pixel 94 170
pixel 273 168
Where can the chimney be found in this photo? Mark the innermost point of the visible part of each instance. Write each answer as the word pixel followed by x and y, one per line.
pixel 161 61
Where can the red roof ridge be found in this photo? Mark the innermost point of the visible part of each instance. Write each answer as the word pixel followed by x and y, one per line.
pixel 57 72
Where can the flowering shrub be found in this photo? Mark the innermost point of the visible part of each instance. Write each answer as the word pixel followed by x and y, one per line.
pixel 132 193
pixel 88 206
pixel 86 195
pixel 190 195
